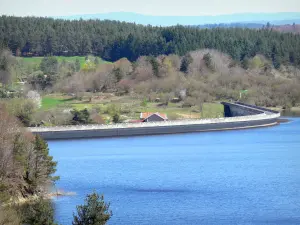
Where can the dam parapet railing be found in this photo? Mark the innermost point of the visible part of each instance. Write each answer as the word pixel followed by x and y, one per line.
pixel 261 116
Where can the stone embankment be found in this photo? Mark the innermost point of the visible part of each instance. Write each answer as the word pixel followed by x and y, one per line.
pixel 237 116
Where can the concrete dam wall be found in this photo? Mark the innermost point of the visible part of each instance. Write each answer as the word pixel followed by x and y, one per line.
pixel 237 116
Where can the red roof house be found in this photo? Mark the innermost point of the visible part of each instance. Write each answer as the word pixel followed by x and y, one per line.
pixel 153 117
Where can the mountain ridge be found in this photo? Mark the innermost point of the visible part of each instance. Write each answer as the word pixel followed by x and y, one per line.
pixel 258 18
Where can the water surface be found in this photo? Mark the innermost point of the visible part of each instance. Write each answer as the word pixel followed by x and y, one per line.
pixel 232 177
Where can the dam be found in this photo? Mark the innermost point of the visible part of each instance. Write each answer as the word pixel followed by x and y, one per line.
pixel 237 115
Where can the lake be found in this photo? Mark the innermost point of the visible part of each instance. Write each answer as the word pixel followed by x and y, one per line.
pixel 230 177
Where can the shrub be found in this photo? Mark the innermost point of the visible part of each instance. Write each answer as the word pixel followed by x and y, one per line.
pixel 80 117
pixel 39 212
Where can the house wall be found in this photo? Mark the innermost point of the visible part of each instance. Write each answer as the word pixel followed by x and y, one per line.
pixel 154 118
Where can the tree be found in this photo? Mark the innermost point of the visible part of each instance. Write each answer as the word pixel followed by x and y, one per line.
pixel 35 97
pixel 80 117
pixel 49 65
pixel 24 111
pixel 118 74
pixel 185 63
pixel 77 65
pixel 116 117
pixel 94 212
pixel 6 62
pixel 275 57
pixel 26 168
pixel 155 65
pixel 43 165
pixel 208 61
pixel 96 61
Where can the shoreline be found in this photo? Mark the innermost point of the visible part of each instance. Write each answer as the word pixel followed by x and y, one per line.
pixel 239 116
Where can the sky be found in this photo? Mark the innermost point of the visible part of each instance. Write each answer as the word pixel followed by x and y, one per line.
pixel 148 7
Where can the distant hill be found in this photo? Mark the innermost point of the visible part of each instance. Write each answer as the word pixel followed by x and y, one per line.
pixel 287 28
pixel 253 18
pixel 232 25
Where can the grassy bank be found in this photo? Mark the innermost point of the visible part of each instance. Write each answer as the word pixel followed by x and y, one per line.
pixel 130 107
pixel 35 61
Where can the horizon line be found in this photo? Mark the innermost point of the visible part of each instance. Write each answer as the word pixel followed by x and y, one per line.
pixel 151 15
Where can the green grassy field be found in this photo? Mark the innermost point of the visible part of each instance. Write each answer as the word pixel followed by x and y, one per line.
pixel 53 102
pixel 37 60
pixel 131 108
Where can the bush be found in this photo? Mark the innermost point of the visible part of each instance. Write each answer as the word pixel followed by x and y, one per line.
pixel 39 212
pixel 189 102
pixel 144 103
pixel 80 117
pixel 116 117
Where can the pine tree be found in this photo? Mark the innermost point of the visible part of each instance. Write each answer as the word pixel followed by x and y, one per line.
pixel 94 212
pixel 208 61
pixel 43 164
pixel 186 61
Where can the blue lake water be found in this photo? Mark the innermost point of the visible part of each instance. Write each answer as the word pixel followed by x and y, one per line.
pixel 232 177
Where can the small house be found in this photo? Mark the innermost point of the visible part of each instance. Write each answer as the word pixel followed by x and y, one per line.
pixel 153 117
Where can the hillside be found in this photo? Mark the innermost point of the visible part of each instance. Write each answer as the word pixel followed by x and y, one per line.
pixel 114 40
pixel 184 87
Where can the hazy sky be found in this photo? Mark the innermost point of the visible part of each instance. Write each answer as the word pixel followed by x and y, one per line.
pixel 150 7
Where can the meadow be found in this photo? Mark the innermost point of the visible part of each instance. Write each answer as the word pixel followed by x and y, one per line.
pixel 130 107
pixel 37 60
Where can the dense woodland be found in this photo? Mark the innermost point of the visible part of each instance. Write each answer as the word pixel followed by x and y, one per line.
pixel 113 40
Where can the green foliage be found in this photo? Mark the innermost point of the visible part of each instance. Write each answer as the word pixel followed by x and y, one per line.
pixel 118 74
pixel 116 117
pixel 114 40
pixel 155 65
pixel 42 149
pixel 114 112
pixel 52 102
pixel 77 65
pixel 6 63
pixel 49 65
pixel 144 103
pixel 94 212
pixel 23 109
pixel 96 61
pixel 48 73
pixel 208 61
pixel 44 166
pixel 38 212
pixel 256 63
pixel 185 63
pixel 80 117
pixel 3 93
pixel 26 166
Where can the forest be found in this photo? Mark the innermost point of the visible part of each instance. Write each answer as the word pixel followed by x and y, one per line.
pixel 112 40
